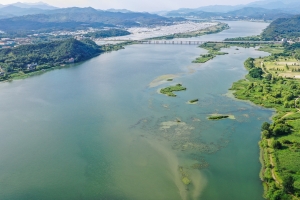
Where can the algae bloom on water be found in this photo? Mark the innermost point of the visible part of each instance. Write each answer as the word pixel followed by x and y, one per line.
pixel 169 90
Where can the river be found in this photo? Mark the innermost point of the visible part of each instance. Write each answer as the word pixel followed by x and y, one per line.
pixel 98 131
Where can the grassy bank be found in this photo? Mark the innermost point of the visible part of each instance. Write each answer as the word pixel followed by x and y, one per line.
pixel 268 86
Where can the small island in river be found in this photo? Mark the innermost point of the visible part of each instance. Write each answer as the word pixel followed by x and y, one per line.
pixel 169 90
pixel 218 117
pixel 193 101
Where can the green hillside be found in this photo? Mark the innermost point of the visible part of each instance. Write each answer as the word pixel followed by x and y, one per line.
pixel 45 55
pixel 283 28
pixel 108 33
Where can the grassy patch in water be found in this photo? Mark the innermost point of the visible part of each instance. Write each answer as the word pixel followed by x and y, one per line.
pixel 204 58
pixel 194 101
pixel 169 90
pixel 186 181
pixel 214 49
pixel 184 176
pixel 218 117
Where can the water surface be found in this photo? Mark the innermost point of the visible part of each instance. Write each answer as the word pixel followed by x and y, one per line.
pixel 97 131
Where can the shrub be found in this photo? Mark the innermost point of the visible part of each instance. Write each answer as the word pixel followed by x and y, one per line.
pixel 281 129
pixel 276 144
pixel 266 134
pixel 288 184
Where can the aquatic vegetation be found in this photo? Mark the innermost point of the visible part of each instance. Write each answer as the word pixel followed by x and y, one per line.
pixel 184 176
pixel 201 165
pixel 214 49
pixel 169 90
pixel 204 58
pixel 186 181
pixel 193 101
pixel 218 117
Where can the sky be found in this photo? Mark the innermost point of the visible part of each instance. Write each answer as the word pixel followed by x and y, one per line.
pixel 136 5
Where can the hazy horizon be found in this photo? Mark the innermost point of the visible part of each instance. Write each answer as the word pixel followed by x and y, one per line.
pixel 134 5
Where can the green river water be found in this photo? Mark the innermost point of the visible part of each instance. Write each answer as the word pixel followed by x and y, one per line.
pixel 98 131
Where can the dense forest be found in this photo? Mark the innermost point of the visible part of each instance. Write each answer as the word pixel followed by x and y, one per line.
pixel 46 55
pixel 283 28
pixel 108 33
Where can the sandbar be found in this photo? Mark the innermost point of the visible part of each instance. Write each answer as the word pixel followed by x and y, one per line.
pixel 162 79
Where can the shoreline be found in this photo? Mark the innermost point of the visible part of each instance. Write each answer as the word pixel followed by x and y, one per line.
pixel 273 159
pixel 107 48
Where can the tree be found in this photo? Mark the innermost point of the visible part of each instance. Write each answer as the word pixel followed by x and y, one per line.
pixel 249 63
pixel 281 129
pixel 265 126
pixel 256 73
pixel 288 184
pixel 289 97
pixel 266 134
pixel 277 195
pixel 276 144
pixel 268 77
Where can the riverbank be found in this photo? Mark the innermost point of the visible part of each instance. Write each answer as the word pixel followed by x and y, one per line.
pixel 219 27
pixel 179 30
pixel 16 71
pixel 118 138
pixel 280 140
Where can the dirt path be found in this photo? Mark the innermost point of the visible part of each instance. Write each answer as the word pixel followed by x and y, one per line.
pixel 262 67
pixel 287 114
pixel 272 163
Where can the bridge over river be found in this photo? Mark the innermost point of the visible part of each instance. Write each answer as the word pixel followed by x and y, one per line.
pixel 186 42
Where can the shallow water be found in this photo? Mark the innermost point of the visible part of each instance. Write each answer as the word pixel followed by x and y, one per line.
pixel 97 131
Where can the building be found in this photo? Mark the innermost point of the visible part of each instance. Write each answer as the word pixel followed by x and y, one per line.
pixel 31 66
pixel 2 72
pixel 71 60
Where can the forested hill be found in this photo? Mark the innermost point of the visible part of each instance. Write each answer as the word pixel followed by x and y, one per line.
pixel 47 55
pixel 79 18
pixel 283 28
pixel 107 33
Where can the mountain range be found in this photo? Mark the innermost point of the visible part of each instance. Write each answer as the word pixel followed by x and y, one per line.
pixel 283 28
pixel 74 18
pixel 41 17
pixel 259 10
pixel 247 13
pixel 19 9
pixel 267 4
